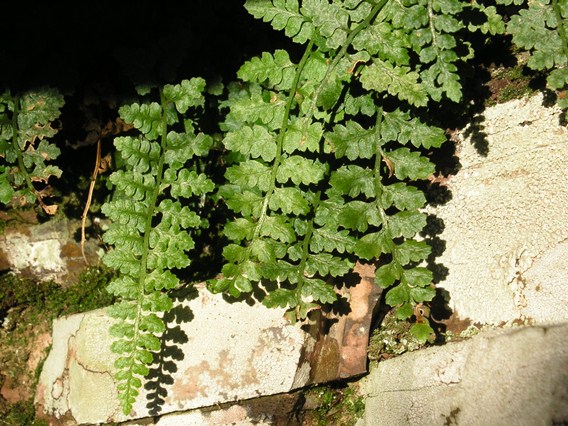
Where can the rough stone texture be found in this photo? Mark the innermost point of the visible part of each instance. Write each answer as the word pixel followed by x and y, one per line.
pixel 517 376
pixel 505 225
pixel 215 352
pixel 46 251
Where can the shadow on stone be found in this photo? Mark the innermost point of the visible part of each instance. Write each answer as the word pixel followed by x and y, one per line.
pixel 165 361
pixel 478 137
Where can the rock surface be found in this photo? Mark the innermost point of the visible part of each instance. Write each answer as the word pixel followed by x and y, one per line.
pixel 517 376
pixel 506 251
pixel 47 251
pixel 215 352
pixel 505 227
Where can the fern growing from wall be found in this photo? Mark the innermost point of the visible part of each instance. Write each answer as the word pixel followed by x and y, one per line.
pixel 541 28
pixel 331 150
pixel 151 222
pixel 26 125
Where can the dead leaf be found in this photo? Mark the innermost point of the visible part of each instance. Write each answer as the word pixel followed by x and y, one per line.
pixel 389 164
pixel 51 210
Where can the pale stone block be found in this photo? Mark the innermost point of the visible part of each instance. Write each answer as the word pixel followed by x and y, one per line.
pixel 517 376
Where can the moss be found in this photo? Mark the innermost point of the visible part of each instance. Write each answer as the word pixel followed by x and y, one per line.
pixel 393 338
pixel 27 309
pixel 22 413
pixel 333 405
pixel 515 82
pixel 50 299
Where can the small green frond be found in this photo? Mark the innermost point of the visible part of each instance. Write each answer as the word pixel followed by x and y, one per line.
pixel 352 141
pixel 145 117
pixel 186 94
pixel 282 15
pixel 399 81
pixel 409 164
pixel 276 70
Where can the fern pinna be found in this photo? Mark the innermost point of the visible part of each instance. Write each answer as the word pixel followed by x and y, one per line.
pixel 328 150
pixel 26 125
pixel 150 222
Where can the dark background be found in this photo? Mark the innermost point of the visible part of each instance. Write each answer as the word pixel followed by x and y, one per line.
pixel 121 43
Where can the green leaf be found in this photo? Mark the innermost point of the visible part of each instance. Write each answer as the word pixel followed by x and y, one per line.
pixel 409 164
pixel 174 215
pixel 383 40
pixel 289 200
pixel 149 342
pixel 258 108
pixel 281 297
pixel 265 250
pixel 282 15
pixel 327 239
pixel 358 215
pixel 123 329
pixel 124 286
pixel 420 294
pixel 402 196
pixel 239 229
pixel 373 244
pixel 558 78
pixel 318 290
pixel 249 174
pixel 418 277
pixel 126 263
pixel 353 180
pixel 326 264
pixel 188 183
pixel 300 170
pixel 184 146
pixel 422 332
pixel 145 117
pixel 186 94
pixel 330 19
pixel 398 81
pixel 398 295
pixel 6 190
pixel 278 228
pixel 352 141
pixel 157 302
pixel 301 137
pixel 152 323
pixel 386 275
pixel 411 251
pixel 140 154
pixel 160 280
pixel 406 223
pixel 135 185
pixel 246 202
pixel 252 141
pixel 277 70
pixel 399 126
pixel 404 311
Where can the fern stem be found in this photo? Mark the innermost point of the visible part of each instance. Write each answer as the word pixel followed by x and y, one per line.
pixel 306 247
pixel 139 299
pixel 280 139
pixel 377 169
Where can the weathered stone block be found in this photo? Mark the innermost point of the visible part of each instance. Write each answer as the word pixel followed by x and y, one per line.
pixel 507 211
pixel 214 352
pixel 516 376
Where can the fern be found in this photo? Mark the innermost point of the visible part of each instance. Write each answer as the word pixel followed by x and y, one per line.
pixel 326 171
pixel 541 29
pixel 150 223
pixel 26 123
